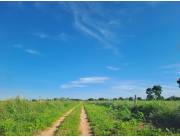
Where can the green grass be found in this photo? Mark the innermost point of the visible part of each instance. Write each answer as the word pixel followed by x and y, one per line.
pixel 119 118
pixel 70 126
pixel 23 117
pixel 100 120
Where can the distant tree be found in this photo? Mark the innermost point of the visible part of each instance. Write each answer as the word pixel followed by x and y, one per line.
pixel 120 98
pixel 157 90
pixel 34 100
pixel 154 93
pixel 91 99
pixel 55 99
pixel 130 98
pixel 101 98
pixel 115 99
pixel 178 81
pixel 75 99
pixel 173 98
pixel 139 98
pixel 149 93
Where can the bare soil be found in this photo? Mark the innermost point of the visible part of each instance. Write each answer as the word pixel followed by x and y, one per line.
pixel 84 124
pixel 52 130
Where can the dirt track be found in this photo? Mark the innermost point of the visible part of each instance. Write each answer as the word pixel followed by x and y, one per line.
pixel 52 130
pixel 84 124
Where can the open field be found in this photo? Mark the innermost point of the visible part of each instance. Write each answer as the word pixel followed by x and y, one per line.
pixel 22 117
pixel 125 118
pixel 65 117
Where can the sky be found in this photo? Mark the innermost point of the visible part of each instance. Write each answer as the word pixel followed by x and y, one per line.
pixel 88 49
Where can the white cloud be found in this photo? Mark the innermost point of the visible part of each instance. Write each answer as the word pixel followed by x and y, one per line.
pixel 85 81
pixel 131 88
pixel 112 68
pixel 87 20
pixel 170 90
pixel 153 3
pixel 172 68
pixel 32 51
pixel 61 36
pixel 130 85
pixel 41 35
pixel 18 46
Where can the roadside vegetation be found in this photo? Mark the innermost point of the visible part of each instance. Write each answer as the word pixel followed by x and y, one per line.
pixel 100 120
pixel 24 117
pixel 145 118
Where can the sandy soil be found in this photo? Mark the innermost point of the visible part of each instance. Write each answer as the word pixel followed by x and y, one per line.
pixel 84 124
pixel 52 130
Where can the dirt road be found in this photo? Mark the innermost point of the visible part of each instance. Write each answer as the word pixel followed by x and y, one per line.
pixel 84 124
pixel 52 130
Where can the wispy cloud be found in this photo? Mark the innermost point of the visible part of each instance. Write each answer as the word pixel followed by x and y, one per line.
pixel 153 3
pixel 41 35
pixel 112 68
pixel 60 36
pixel 85 81
pixel 27 50
pixel 171 68
pixel 93 23
pixel 32 51
pixel 130 85
pixel 95 20
pixel 18 46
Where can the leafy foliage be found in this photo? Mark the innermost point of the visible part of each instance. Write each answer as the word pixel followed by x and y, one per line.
pixel 154 92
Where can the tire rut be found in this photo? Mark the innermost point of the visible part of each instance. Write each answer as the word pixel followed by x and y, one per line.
pixel 84 124
pixel 50 131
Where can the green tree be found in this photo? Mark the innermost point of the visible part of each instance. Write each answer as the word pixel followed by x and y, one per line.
pixel 157 90
pixel 120 98
pixel 178 81
pixel 130 98
pixel 154 92
pixel 115 99
pixel 149 93
pixel 91 99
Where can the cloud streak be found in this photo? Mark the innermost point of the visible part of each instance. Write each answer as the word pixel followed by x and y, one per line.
pixel 171 68
pixel 19 46
pixel 93 23
pixel 61 36
pixel 32 51
pixel 85 81
pixel 26 50
pixel 112 68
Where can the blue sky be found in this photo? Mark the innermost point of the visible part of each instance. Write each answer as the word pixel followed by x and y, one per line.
pixel 88 49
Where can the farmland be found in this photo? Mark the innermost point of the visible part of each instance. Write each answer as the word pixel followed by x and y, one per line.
pixel 27 117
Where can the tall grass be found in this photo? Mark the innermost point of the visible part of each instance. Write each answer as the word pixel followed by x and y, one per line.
pixel 101 121
pixel 127 118
pixel 23 117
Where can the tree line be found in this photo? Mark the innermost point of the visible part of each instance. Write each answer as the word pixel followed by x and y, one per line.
pixel 153 93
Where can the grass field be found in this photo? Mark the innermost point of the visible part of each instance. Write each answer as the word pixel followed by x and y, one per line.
pixel 25 117
pixel 125 118
pixel 22 117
